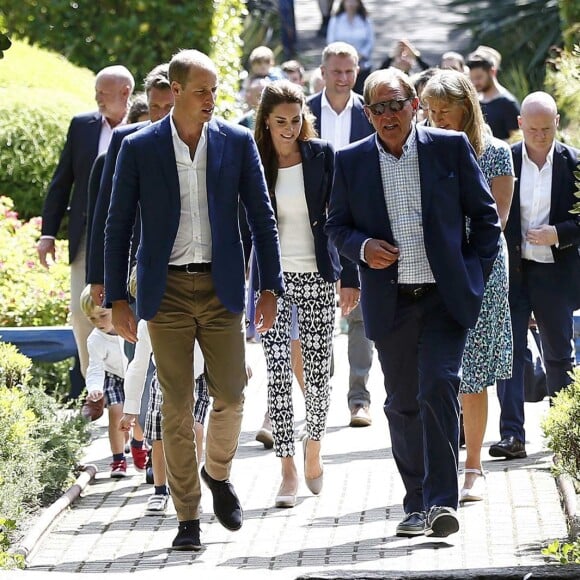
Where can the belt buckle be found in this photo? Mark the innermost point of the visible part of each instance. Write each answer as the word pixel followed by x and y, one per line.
pixel 418 292
pixel 188 271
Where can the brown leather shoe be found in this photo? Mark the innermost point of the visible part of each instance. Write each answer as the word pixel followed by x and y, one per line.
pixel 360 416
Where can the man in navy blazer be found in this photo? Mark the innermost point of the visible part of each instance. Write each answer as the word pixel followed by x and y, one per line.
pixel 398 208
pixel 340 119
pixel 88 135
pixel 543 238
pixel 159 101
pixel 188 174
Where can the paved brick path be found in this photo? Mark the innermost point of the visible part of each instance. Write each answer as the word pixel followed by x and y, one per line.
pixel 350 527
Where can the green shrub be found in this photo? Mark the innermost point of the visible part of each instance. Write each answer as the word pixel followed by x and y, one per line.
pixel 562 428
pixel 226 51
pixel 7 559
pixel 30 294
pixel 563 82
pixel 39 444
pixel 40 92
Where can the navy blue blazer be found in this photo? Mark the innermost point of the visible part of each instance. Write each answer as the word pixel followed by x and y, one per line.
pixel 567 225
pixel 96 242
pixel 72 174
pixel 146 175
pixel 359 124
pixel 317 167
pixel 452 188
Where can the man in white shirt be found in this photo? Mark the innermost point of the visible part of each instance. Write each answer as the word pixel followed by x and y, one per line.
pixel 543 238
pixel 188 173
pixel 340 119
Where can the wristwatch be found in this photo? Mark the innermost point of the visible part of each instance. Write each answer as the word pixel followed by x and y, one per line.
pixel 276 293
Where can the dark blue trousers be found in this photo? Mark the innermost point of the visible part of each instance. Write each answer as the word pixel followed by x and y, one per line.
pixel 541 293
pixel 420 358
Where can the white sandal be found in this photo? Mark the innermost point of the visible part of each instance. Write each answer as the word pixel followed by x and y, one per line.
pixel 477 491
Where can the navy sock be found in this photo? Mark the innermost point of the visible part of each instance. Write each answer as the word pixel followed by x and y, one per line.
pixel 118 456
pixel 137 444
pixel 161 490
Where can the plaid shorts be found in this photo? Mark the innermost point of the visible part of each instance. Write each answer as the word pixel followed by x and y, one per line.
pixel 113 390
pixel 152 429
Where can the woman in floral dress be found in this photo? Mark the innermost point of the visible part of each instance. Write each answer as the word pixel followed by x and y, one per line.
pixel 453 104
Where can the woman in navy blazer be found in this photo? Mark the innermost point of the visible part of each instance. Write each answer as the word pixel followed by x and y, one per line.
pixel 298 171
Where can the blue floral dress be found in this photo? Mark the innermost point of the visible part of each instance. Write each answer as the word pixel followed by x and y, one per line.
pixel 489 347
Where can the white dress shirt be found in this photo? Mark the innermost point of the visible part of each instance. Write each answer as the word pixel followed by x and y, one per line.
pixel 335 128
pixel 193 240
pixel 105 135
pixel 535 202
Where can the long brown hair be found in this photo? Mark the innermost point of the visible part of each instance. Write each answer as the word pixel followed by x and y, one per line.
pixel 274 94
pixel 453 87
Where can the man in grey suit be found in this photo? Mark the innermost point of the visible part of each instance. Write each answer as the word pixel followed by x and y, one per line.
pixel 340 119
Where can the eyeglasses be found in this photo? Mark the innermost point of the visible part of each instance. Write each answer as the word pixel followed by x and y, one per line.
pixel 394 106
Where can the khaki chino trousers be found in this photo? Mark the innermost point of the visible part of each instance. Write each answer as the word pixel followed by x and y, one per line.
pixel 189 311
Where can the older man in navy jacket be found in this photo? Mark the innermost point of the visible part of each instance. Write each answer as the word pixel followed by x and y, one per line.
pixel 399 204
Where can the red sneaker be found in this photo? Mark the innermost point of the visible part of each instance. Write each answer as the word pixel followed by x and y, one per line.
pixel 139 458
pixel 119 469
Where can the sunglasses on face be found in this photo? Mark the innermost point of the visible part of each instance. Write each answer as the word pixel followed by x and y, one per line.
pixel 394 106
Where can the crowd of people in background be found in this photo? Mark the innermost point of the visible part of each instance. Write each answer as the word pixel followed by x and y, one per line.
pixel 394 193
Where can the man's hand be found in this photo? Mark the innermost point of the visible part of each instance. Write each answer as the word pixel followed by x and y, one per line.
pixel 348 299
pixel 98 294
pixel 545 235
pixel 127 421
pixel 46 247
pixel 124 321
pixel 380 254
pixel 266 309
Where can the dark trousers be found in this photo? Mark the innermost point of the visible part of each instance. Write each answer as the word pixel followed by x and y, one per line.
pixel 542 294
pixel 420 358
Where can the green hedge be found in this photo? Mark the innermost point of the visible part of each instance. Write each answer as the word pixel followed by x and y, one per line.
pixel 40 446
pixel 39 93
pixel 139 33
pixel 562 428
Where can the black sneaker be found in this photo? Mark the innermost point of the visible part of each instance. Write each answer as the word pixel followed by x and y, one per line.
pixel 226 504
pixel 412 525
pixel 187 536
pixel 441 522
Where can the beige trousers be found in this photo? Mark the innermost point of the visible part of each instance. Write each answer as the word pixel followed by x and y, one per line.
pixel 190 310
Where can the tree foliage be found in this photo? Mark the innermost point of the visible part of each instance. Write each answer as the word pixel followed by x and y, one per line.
pixel 137 33
pixel 521 30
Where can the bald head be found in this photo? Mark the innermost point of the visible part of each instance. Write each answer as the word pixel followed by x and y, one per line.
pixel 539 102
pixel 113 87
pixel 538 121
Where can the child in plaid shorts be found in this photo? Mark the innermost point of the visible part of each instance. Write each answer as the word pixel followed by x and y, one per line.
pixel 135 379
pixel 105 377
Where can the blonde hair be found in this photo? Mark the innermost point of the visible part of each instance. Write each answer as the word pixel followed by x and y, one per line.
pixel 87 304
pixel 455 88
